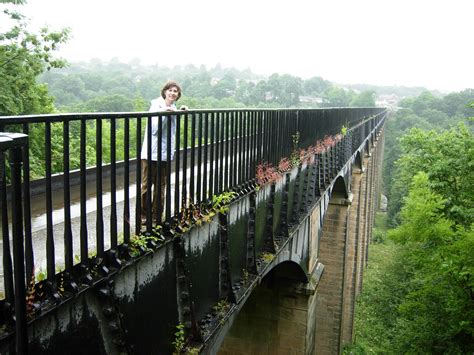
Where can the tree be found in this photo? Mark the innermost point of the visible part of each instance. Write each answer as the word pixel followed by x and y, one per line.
pixel 244 92
pixel 109 103
pixel 284 89
pixel 397 126
pixel 199 85
pixel 448 159
pixel 292 88
pixel 364 99
pixel 316 86
pixel 424 101
pixel 434 115
pixel 418 297
pixel 437 118
pixel 436 312
pixel 23 57
pixel 225 87
pixel 68 90
pixel 337 97
pixel 274 87
pixel 16 2
pixel 457 102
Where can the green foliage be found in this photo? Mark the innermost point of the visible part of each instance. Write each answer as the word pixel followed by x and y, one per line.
pixel 295 154
pixel 379 231
pixel 420 216
pixel 340 97
pixel 245 276
pixel 77 88
pixel 179 342
pixel 378 236
pixel 221 308
pixel 437 312
pixel 140 242
pixel 444 114
pixel 267 257
pixel 337 97
pixel 418 294
pixel 220 203
pixel 376 307
pixel 109 103
pixel 424 101
pixel 416 300
pixel 400 91
pixel 364 99
pixel 23 57
pixel 41 275
pixel 316 86
pixel 448 159
pixel 343 130
pixel 456 103
pixel 37 145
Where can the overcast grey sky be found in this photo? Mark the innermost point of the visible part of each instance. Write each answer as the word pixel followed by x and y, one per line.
pixel 381 42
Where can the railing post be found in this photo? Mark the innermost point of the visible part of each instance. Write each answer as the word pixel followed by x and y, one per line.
pixel 7 260
pixel 15 142
pixel 50 250
pixel 18 253
pixel 29 255
pixel 138 169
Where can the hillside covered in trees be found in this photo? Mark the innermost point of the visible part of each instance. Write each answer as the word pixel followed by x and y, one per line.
pixel 418 295
pixel 115 86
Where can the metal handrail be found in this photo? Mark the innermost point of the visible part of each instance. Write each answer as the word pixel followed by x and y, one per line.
pixel 222 151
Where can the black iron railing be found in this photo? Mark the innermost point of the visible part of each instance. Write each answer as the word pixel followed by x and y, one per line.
pixel 13 144
pixel 217 151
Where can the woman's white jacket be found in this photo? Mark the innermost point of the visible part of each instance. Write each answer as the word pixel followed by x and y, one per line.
pixel 159 105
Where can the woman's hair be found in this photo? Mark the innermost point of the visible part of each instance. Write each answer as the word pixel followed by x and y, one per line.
pixel 169 84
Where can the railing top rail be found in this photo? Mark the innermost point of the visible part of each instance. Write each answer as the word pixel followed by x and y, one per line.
pixel 60 117
pixel 367 119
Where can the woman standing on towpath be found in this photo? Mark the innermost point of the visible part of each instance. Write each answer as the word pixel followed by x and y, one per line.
pixel 170 93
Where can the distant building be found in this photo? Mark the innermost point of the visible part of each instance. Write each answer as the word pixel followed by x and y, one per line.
pixel 389 101
pixel 311 99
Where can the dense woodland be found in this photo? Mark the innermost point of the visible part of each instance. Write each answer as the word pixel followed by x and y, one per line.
pixel 113 86
pixel 418 292
pixel 418 295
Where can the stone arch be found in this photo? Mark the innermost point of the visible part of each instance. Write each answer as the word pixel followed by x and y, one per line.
pixel 289 269
pixel 339 189
pixel 357 163
pixel 274 319
pixel 367 147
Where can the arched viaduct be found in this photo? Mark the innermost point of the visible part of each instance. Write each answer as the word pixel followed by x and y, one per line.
pixel 272 268
pixel 305 304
